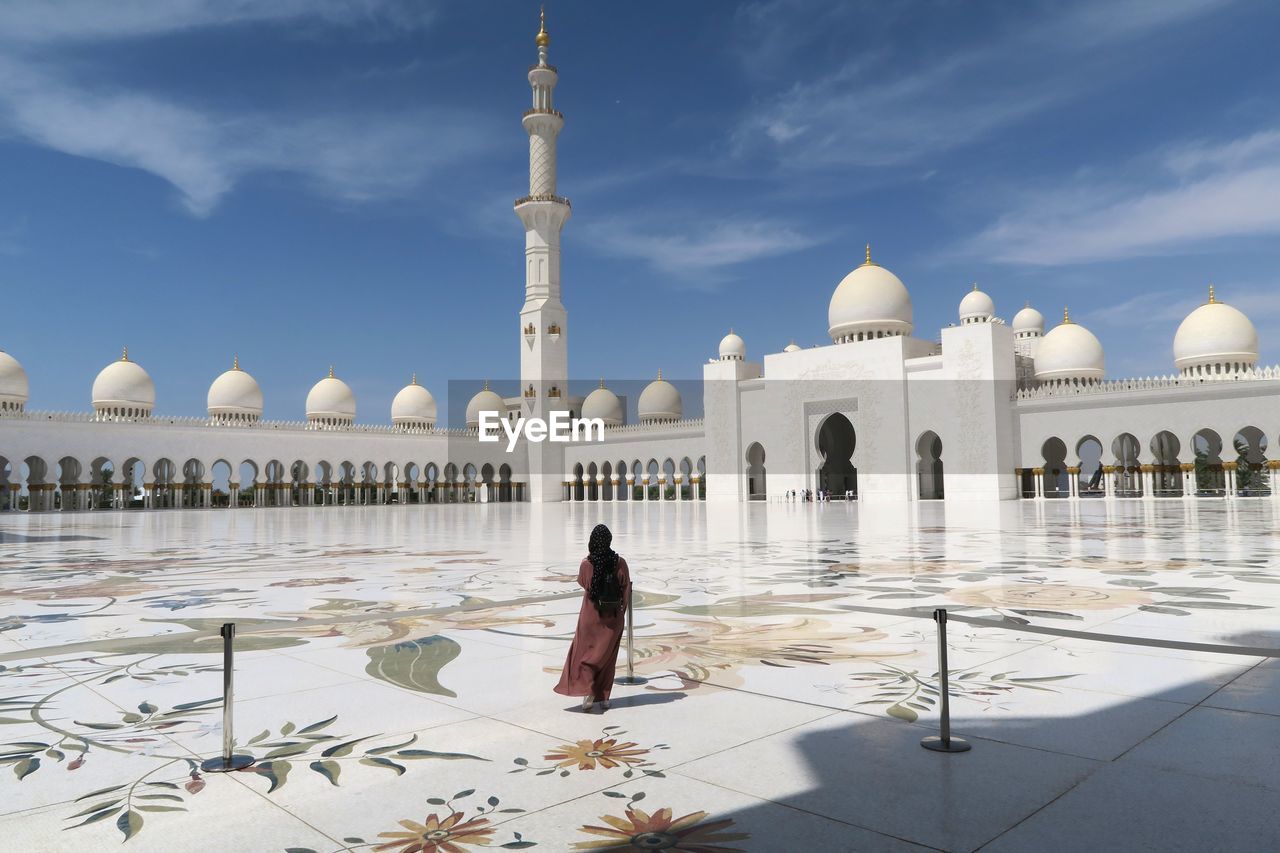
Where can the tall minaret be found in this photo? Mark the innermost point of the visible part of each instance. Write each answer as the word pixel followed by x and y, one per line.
pixel 544 338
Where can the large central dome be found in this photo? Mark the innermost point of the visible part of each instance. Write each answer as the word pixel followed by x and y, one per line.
pixel 869 302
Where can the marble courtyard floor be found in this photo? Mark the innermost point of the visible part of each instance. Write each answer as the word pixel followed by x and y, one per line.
pixel 395 664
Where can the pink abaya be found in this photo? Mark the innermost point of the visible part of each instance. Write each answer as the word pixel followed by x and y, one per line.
pixel 588 670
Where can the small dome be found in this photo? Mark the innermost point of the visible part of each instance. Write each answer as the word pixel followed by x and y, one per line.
pixel 1028 320
pixel 235 395
pixel 1069 352
pixel 791 347
pixel 603 404
pixel 732 347
pixel 123 388
pixel 976 307
pixel 485 401
pixel 869 302
pixel 330 400
pixel 660 401
pixel 413 406
pixel 1215 334
pixel 14 387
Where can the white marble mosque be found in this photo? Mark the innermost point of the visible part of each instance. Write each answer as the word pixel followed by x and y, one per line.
pixel 986 409
pixel 395 659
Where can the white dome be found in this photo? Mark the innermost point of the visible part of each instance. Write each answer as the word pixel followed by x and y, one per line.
pixel 660 401
pixel 235 395
pixel 603 404
pixel 869 301
pixel 14 387
pixel 732 347
pixel 1028 320
pixel 976 307
pixel 1215 333
pixel 331 399
pixel 124 384
pixel 413 406
pixel 485 401
pixel 791 347
pixel 1069 351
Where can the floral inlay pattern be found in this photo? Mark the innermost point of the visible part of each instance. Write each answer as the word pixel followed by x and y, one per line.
pixel 637 829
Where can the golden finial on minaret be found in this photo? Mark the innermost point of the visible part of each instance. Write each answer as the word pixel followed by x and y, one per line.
pixel 1066 317
pixel 543 38
pixel 331 371
pixel 1212 299
pixel 125 355
pixel 868 261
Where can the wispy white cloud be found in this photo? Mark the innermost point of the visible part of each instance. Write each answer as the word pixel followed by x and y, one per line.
pixel 1198 193
pixel 67 21
pixel 48 98
pixel 696 255
pixel 352 156
pixel 885 107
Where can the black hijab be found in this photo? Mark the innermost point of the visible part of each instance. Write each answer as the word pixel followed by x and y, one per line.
pixel 604 560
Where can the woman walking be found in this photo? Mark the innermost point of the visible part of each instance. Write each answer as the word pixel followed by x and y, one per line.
pixel 603 575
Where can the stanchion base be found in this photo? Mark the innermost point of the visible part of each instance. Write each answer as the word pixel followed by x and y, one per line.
pixel 222 765
pixel 937 744
pixel 631 679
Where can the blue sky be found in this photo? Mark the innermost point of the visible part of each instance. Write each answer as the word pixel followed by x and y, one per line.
pixel 307 182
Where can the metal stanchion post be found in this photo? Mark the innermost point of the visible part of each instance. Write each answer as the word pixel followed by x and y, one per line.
pixel 228 760
pixel 631 677
pixel 944 742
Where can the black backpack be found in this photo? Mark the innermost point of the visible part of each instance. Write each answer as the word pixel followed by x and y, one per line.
pixel 608 599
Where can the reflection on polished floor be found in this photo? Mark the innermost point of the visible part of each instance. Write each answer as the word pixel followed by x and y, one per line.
pixel 394 671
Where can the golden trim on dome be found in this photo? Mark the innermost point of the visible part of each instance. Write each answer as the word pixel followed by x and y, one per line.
pixel 235 362
pixel 125 355
pixel 331 371
pixel 1066 316
pixel 1212 299
pixel 543 38
pixel 868 262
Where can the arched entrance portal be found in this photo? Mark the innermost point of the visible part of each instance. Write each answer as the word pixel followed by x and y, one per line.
pixel 836 441
pixel 755 472
pixel 929 466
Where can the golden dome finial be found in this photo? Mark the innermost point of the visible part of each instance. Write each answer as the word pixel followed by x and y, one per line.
pixel 659 372
pixel 125 355
pixel 1066 315
pixel 868 261
pixel 543 38
pixel 975 287
pixel 235 362
pixel 1027 304
pixel 602 383
pixel 486 385
pixel 331 371
pixel 413 380
pixel 1212 298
